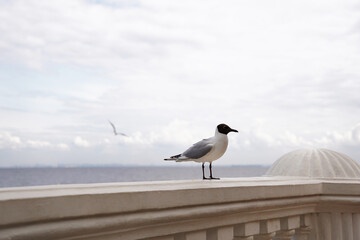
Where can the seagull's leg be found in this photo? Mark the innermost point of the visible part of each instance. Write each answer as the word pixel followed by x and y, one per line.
pixel 211 177
pixel 203 166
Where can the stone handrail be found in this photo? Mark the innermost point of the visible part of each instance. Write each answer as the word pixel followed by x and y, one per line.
pixel 229 209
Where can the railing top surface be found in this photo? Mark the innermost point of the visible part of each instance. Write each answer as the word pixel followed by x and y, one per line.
pixel 151 186
pixel 183 197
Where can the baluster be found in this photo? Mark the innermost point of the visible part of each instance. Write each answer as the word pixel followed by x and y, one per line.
pixel 265 236
pixel 347 226
pixel 315 233
pixel 324 221
pixel 287 226
pixel 225 233
pixel 162 238
pixel 302 233
pixel 180 236
pixel 336 225
pixel 268 229
pixel 245 231
pixel 285 234
pixel 212 234
pixel 198 235
pixel 244 238
pixel 356 225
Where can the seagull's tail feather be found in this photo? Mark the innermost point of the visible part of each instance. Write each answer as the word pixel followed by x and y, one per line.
pixel 178 158
pixel 173 158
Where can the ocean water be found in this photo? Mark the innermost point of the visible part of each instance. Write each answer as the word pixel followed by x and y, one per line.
pixel 18 177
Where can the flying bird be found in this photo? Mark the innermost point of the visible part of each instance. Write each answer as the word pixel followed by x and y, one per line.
pixel 206 150
pixel 114 129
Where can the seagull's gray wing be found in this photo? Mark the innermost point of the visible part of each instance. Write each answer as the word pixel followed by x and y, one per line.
pixel 199 149
pixel 115 132
pixel 113 126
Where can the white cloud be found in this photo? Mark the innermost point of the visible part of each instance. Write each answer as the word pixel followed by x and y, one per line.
pixel 63 146
pixel 355 134
pixel 38 144
pixel 179 132
pixel 8 140
pixel 14 139
pixel 80 142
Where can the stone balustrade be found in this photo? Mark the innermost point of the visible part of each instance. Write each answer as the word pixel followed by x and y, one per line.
pixel 230 209
pixel 309 194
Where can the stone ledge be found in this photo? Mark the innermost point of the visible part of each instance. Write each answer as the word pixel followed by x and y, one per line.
pixel 129 209
pixel 42 203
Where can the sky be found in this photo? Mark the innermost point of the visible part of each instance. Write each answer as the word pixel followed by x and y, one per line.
pixel 285 74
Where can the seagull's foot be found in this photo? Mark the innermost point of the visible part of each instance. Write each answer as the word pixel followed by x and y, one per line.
pixel 215 178
pixel 205 178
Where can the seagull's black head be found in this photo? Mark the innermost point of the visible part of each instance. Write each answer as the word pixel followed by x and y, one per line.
pixel 225 129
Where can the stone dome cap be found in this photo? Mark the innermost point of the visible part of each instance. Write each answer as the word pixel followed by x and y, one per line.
pixel 316 163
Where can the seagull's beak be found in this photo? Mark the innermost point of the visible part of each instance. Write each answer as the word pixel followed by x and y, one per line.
pixel 233 130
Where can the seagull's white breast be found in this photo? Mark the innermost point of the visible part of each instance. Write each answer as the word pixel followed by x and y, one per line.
pixel 220 142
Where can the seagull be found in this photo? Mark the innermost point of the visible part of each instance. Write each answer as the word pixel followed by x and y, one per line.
pixel 206 150
pixel 114 129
